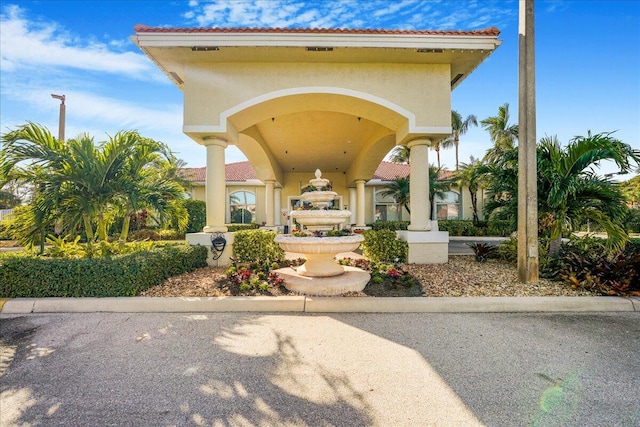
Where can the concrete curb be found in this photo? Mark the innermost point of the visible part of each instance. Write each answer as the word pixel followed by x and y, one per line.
pixel 321 305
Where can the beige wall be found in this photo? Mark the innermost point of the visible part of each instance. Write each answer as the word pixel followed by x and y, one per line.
pixel 423 89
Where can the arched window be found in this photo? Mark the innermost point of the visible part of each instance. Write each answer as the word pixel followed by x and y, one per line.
pixel 243 207
pixel 448 206
pixel 386 208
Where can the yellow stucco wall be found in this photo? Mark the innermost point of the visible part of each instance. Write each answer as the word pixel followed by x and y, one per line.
pixel 423 89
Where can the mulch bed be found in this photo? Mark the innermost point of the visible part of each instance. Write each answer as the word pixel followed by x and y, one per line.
pixel 462 276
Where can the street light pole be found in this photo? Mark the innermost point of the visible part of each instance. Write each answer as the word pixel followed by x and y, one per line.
pixel 62 118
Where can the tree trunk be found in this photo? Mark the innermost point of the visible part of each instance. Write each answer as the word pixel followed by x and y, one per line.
pixel 554 246
pixel 474 206
pixel 455 141
pixel 88 228
pixel 125 227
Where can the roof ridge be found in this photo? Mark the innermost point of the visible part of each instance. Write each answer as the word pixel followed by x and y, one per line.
pixel 141 28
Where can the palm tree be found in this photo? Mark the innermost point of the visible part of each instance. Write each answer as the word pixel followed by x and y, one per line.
pixel 469 175
pixel 570 191
pixel 401 154
pixel 398 189
pixel 82 183
pixel 437 189
pixel 459 127
pixel 503 135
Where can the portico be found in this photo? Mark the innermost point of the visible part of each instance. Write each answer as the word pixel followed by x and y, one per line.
pixel 294 100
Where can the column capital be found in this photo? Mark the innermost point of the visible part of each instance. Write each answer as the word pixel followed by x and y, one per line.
pixel 420 141
pixel 360 181
pixel 214 140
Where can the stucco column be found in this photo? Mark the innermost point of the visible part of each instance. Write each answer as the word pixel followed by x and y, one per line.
pixel 268 195
pixel 277 205
pixel 215 186
pixel 419 185
pixel 360 203
pixel 352 205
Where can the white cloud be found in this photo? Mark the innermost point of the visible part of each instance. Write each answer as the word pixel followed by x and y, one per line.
pixel 25 43
pixel 397 14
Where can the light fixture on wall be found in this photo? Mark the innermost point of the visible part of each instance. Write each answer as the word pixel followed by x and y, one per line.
pixel 204 48
pixel 319 49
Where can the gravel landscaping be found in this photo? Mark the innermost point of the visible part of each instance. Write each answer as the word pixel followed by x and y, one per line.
pixel 462 276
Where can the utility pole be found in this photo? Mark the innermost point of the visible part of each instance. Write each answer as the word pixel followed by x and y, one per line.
pixel 527 160
pixel 61 120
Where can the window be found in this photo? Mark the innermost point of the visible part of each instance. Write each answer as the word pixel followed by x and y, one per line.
pixel 386 208
pixel 448 206
pixel 243 207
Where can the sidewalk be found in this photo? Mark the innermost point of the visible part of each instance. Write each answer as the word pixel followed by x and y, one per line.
pixel 306 304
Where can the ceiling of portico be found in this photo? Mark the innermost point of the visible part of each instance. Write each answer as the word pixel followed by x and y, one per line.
pixel 307 140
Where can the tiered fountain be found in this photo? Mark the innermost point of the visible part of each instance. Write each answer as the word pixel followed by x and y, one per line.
pixel 321 274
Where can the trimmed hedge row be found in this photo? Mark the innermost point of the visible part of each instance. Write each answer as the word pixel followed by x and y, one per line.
pixel 125 275
pixel 456 227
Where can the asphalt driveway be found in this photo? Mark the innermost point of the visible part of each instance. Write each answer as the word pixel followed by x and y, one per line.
pixel 239 369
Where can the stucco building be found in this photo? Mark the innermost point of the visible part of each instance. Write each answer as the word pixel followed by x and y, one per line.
pixel 294 100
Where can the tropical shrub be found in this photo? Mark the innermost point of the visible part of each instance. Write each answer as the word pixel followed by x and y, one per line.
pixel 255 245
pixel 482 251
pixel 197 210
pixel 30 276
pixel 617 275
pixel 384 246
pixel 496 227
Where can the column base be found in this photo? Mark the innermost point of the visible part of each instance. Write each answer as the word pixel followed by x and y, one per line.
pixel 214 229
pixel 204 239
pixel 426 247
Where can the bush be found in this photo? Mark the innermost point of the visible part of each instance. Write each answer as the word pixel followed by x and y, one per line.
pixel 197 210
pixel 497 227
pixel 461 227
pixel 125 275
pixel 239 227
pixel 390 225
pixel 256 245
pixel 633 221
pixel 5 231
pixel 384 246
pixel 616 275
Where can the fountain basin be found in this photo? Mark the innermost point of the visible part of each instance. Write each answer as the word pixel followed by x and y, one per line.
pixel 319 199
pixel 320 220
pixel 319 252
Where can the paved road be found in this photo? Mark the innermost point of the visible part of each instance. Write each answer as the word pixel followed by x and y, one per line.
pixel 235 369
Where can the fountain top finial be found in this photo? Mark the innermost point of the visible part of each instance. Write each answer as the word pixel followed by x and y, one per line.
pixel 318 174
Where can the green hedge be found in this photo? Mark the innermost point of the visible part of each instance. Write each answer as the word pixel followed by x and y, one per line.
pixel 255 245
pixel 456 227
pixel 384 246
pixel 389 225
pixel 240 227
pixel 125 275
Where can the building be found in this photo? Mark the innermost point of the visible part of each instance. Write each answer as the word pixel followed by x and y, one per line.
pixel 246 193
pixel 297 100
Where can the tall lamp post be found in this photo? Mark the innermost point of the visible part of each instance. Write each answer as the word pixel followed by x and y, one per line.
pixel 62 111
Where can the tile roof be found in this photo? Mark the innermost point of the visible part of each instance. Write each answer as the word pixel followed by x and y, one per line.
pixel 243 171
pixel 240 171
pixel 388 171
pixel 491 31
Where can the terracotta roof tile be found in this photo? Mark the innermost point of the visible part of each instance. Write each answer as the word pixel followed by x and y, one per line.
pixel 388 171
pixel 243 171
pixel 240 171
pixel 491 31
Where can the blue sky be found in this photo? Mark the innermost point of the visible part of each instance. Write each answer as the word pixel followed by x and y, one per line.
pixel 587 59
